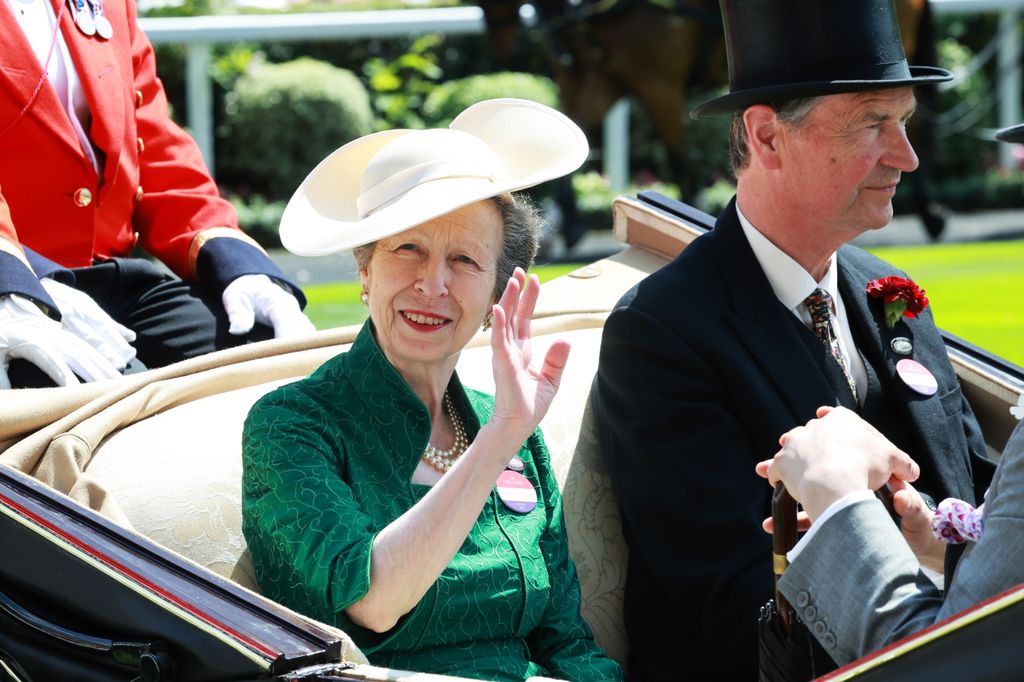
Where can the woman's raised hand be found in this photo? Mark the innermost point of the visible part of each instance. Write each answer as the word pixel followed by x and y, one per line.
pixel 523 392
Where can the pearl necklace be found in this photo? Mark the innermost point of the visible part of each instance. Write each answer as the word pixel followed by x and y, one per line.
pixel 442 460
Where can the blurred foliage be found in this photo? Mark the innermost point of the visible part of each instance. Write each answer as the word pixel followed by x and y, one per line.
pixel 283 119
pixel 449 99
pixel 400 86
pixel 964 104
pixel 416 81
pixel 594 196
pixel 260 218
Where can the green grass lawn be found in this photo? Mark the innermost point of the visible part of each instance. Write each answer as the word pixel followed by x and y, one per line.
pixel 975 291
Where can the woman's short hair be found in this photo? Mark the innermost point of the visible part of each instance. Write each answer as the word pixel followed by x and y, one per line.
pixel 791 112
pixel 521 222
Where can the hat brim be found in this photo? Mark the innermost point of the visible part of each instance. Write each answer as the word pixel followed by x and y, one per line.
pixel 1011 134
pixel 533 142
pixel 741 99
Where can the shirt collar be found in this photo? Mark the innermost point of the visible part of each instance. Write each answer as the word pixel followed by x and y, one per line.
pixel 790 282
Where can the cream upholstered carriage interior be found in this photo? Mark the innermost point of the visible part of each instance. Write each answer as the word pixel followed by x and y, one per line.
pixel 160 452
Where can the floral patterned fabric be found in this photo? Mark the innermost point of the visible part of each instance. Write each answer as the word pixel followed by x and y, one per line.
pixel 327 465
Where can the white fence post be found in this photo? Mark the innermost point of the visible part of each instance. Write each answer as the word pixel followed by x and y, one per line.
pixel 616 145
pixel 1008 70
pixel 199 99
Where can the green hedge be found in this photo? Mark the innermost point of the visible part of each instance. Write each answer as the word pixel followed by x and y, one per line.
pixel 283 119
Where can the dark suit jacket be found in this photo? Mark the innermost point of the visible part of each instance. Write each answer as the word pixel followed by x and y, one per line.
pixel 701 371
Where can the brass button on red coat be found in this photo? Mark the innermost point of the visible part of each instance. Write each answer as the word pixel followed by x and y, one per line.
pixel 140 145
pixel 138 194
pixel 82 197
pixel 135 239
pixel 138 98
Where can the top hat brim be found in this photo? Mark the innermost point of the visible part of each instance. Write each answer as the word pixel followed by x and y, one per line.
pixel 741 99
pixel 533 142
pixel 1011 134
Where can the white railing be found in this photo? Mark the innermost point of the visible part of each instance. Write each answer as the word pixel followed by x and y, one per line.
pixel 199 33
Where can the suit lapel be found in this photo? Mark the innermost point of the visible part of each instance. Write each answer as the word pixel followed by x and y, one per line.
pixel 874 336
pixel 924 415
pixel 760 323
pixel 103 83
pixel 20 72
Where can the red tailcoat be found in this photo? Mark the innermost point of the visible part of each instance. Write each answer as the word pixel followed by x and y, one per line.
pixel 153 188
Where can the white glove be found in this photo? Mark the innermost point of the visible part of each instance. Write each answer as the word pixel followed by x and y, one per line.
pixel 255 298
pixel 27 333
pixel 84 318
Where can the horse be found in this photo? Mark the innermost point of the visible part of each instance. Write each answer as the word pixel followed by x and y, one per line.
pixel 654 51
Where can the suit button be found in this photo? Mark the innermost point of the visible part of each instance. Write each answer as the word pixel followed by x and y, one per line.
pixel 829 640
pixel 810 613
pixel 138 194
pixel 802 600
pixel 135 239
pixel 140 145
pixel 82 197
pixel 820 629
pixel 138 98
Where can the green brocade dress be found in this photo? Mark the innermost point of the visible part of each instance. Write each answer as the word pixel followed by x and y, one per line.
pixel 327 465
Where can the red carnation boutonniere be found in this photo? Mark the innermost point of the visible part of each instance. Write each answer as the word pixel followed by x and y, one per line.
pixel 902 297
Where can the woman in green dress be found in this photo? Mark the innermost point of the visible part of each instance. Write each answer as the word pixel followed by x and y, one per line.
pixel 370 496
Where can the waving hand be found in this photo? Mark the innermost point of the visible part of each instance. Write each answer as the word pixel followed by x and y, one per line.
pixel 523 392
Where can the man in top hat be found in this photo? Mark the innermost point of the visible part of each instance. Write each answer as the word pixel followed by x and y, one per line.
pixel 852 548
pixel 93 167
pixel 755 325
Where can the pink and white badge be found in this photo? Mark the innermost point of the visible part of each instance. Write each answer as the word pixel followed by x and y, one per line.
pixel 917 377
pixel 516 492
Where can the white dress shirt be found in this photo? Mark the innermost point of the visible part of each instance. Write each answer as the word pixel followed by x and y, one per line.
pixel 37 20
pixel 792 285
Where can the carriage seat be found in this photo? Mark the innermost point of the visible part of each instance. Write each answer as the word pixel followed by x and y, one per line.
pixel 176 476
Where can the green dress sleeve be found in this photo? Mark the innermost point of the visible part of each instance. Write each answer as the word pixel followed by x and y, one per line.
pixel 309 539
pixel 563 642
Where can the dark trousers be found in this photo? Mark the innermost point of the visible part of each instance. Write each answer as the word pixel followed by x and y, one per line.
pixel 173 320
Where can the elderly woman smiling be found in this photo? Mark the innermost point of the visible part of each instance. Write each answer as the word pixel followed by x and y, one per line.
pixel 381 495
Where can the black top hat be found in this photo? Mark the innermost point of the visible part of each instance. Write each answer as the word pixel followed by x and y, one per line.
pixel 788 49
pixel 1011 134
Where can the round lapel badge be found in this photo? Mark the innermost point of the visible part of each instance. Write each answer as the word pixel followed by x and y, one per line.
pixel 515 464
pixel 902 345
pixel 103 28
pixel 917 377
pixel 516 492
pixel 85 23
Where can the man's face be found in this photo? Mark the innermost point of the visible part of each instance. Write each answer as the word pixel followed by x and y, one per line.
pixel 843 162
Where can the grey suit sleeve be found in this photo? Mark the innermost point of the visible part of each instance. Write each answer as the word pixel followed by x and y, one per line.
pixel 860 581
pixel 857 585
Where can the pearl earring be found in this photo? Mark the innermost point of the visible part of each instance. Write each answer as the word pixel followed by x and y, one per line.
pixel 365 297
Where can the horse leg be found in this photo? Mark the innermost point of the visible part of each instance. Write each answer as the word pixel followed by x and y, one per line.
pixel 917 27
pixel 586 94
pixel 664 103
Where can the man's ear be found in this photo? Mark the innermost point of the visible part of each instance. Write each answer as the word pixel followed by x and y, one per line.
pixel 763 135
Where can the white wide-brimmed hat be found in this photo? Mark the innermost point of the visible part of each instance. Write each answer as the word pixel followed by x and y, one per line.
pixel 385 183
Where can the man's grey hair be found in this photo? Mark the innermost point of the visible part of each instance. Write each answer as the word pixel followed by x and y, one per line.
pixel 521 222
pixel 791 112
